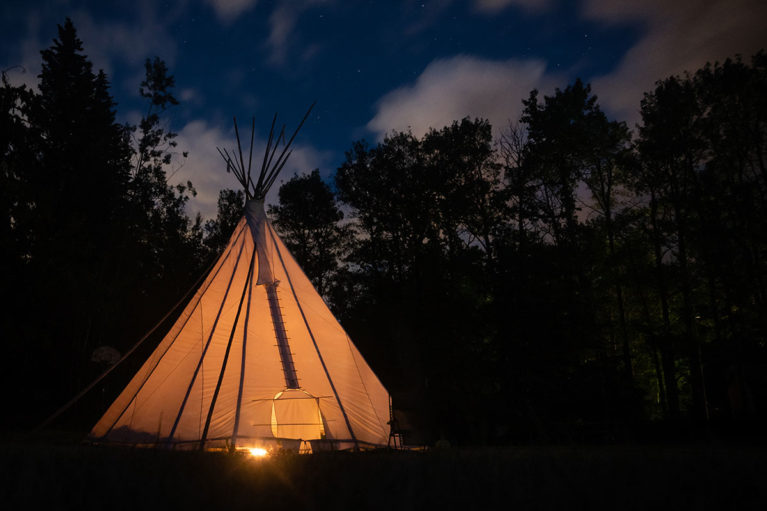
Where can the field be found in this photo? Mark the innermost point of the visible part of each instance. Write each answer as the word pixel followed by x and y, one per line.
pixel 55 476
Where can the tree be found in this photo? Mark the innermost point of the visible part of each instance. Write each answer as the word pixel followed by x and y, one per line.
pixel 168 242
pixel 229 212
pixel 558 145
pixel 671 151
pixel 393 203
pixel 521 185
pixel 468 182
pixel 77 188
pixel 728 231
pixel 569 148
pixel 155 142
pixel 66 165
pixel 14 157
pixel 603 175
pixel 427 214
pixel 307 219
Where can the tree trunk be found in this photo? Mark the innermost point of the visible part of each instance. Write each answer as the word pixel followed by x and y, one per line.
pixel 629 371
pixel 666 348
pixel 697 381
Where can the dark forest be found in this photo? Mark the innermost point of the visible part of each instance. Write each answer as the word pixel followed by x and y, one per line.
pixel 573 280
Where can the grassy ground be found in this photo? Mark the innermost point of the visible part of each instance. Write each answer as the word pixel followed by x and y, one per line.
pixel 49 476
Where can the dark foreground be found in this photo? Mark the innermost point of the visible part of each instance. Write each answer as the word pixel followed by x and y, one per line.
pixel 83 477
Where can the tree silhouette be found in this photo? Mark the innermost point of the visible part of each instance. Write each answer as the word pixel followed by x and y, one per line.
pixel 308 221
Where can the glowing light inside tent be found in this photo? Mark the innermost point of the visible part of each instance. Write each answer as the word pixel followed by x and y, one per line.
pixel 258 452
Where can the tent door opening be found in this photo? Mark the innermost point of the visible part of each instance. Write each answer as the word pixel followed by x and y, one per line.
pixel 296 415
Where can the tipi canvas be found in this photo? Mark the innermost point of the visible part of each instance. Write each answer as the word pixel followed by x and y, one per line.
pixel 256 359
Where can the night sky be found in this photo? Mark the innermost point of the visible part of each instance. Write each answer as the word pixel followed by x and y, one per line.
pixel 372 66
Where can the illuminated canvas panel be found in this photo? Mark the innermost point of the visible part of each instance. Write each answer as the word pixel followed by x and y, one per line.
pixel 224 374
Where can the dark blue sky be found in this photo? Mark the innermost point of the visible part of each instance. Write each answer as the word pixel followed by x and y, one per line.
pixel 374 66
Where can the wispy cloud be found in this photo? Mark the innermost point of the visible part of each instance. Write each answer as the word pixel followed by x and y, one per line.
pixel 228 10
pixel 203 167
pixel 191 96
pixel 281 23
pixel 282 26
pixel 130 41
pixel 105 41
pixel 26 64
pixel 451 89
pixel 680 36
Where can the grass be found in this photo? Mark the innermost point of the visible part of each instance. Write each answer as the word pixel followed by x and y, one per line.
pixel 84 477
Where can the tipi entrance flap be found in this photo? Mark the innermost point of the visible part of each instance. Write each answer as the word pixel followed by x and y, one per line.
pixel 296 415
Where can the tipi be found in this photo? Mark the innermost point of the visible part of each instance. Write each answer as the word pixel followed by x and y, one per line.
pixel 256 359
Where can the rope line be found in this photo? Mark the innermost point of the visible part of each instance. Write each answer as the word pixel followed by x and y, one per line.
pixel 103 375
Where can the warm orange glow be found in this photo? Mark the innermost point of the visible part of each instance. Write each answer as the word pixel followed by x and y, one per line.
pixel 258 452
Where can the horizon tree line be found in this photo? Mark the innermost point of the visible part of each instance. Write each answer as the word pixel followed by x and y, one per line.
pixel 569 279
